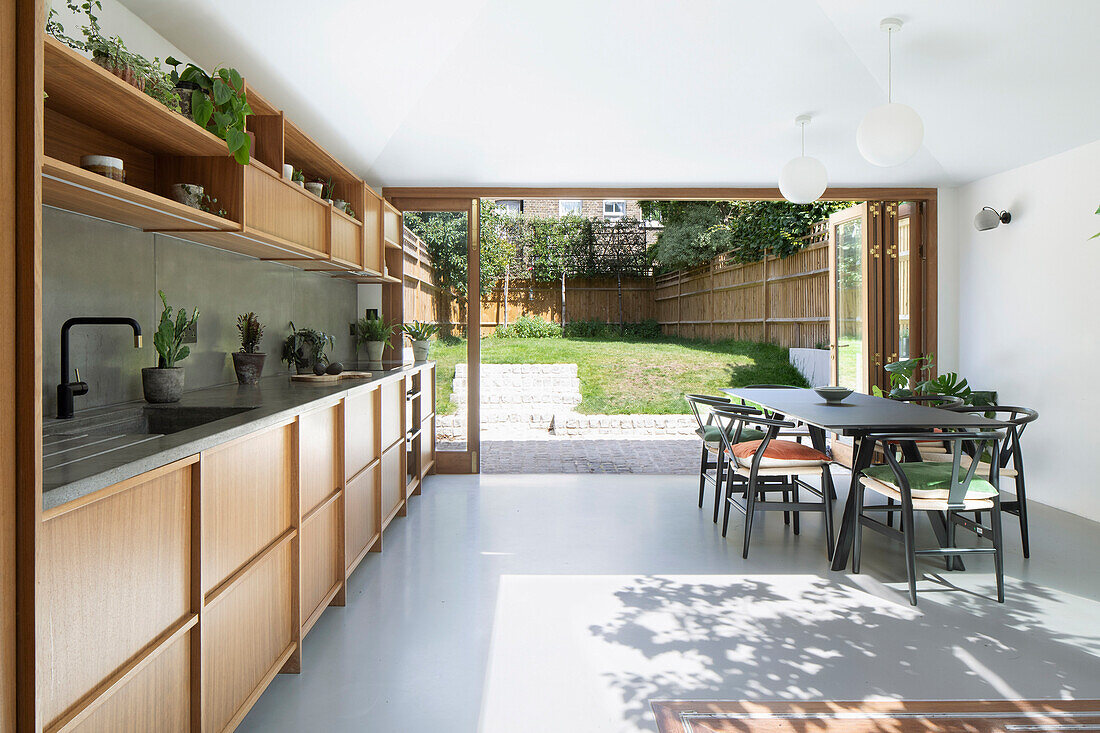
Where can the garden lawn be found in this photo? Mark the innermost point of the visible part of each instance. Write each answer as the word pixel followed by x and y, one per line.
pixel 630 376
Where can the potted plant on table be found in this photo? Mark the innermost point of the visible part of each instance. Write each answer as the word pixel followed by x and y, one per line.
pixel 248 363
pixel 304 349
pixel 374 332
pixel 164 382
pixel 420 333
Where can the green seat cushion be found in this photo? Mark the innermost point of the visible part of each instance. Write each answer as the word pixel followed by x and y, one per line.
pixel 713 434
pixel 931 480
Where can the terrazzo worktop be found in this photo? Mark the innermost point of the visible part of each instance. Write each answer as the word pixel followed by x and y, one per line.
pixel 100 447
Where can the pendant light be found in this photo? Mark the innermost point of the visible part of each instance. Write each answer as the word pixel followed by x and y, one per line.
pixel 891 134
pixel 803 179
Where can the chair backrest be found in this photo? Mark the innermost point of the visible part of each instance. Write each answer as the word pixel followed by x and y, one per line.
pixel 1018 419
pixel 960 477
pixel 947 402
pixel 732 419
pixel 702 406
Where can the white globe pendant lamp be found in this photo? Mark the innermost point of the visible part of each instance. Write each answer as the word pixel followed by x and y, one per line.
pixel 891 134
pixel 803 179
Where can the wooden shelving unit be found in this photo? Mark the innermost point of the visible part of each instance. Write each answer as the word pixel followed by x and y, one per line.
pixel 89 111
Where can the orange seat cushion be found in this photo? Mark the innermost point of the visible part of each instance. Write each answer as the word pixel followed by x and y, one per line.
pixel 778 454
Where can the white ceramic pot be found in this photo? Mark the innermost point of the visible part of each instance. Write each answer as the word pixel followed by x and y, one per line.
pixel 420 350
pixel 374 350
pixel 315 188
pixel 288 171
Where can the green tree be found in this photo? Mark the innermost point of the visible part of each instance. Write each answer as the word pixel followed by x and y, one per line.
pixel 444 232
pixel 697 231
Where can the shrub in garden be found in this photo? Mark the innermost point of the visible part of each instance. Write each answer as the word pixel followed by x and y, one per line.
pixel 647 329
pixel 530 327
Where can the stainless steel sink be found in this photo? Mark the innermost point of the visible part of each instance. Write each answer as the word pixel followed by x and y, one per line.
pixel 67 441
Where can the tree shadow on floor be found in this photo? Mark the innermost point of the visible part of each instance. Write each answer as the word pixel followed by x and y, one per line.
pixel 801 637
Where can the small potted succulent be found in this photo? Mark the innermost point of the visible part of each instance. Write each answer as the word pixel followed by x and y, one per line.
pixel 304 349
pixel 298 178
pixel 316 188
pixel 248 363
pixel 374 332
pixel 420 333
pixel 164 382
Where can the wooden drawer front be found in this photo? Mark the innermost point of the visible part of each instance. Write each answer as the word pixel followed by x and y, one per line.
pixel 321 557
pixel 275 207
pixel 362 513
pixel 115 576
pixel 247 500
pixel 427 442
pixel 157 699
pixel 360 431
pixel 318 459
pixel 393 478
pixel 245 634
pixel 372 233
pixel 393 407
pixel 347 239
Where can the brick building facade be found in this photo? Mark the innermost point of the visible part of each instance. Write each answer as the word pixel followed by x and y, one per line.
pixel 588 208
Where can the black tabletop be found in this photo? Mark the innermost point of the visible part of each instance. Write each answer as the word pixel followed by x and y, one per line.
pixel 859 413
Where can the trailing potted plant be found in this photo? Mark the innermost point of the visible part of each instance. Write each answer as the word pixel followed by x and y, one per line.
pixel 248 363
pixel 304 349
pixel 374 332
pixel 219 103
pixel 420 333
pixel 164 382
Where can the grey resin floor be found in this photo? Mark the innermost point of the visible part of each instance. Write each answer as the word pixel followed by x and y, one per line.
pixel 534 603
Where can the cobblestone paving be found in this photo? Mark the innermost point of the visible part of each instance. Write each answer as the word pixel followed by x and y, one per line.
pixel 577 455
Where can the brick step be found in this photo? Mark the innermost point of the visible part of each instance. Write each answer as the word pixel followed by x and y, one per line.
pixel 533 384
pixel 524 399
pixel 490 370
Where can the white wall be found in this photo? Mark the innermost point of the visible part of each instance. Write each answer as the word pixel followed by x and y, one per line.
pixel 1028 298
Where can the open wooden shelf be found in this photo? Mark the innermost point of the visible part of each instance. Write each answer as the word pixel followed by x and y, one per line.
pixel 390 244
pixel 80 89
pixel 68 187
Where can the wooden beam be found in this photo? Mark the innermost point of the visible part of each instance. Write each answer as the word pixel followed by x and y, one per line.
pixel 421 195
pixel 24 94
pixel 473 334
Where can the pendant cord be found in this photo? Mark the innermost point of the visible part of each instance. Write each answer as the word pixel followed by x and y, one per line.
pixel 890 66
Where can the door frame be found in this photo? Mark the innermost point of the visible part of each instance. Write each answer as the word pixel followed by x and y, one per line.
pixel 469 460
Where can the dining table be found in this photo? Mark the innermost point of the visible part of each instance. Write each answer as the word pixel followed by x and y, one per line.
pixel 861 416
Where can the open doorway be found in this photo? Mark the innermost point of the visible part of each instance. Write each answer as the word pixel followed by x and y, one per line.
pixel 782 302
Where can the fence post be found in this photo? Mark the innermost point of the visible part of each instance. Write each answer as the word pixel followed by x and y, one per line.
pixel 506 296
pixel 563 300
pixel 619 280
pixel 765 296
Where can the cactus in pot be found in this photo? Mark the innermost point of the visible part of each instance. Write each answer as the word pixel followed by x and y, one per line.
pixel 248 363
pixel 164 382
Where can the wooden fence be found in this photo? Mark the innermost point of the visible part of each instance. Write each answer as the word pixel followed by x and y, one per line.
pixel 611 300
pixel 782 301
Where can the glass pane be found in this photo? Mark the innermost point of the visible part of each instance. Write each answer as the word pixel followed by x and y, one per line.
pixel 435 292
pixel 903 289
pixel 849 300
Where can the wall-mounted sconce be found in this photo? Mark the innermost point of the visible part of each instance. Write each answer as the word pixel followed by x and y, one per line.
pixel 990 218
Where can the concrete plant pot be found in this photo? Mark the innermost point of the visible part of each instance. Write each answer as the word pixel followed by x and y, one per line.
pixel 248 367
pixel 374 350
pixel 420 350
pixel 162 384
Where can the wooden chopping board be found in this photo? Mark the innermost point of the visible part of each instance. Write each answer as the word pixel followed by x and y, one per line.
pixel 327 378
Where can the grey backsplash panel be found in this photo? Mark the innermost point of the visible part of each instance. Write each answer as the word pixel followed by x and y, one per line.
pixel 93 267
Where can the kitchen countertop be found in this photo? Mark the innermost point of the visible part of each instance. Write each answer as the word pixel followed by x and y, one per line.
pixel 269 402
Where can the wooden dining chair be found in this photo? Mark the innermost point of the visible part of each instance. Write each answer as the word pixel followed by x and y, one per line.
pixel 772 465
pixel 713 457
pixel 934 486
pixel 1011 458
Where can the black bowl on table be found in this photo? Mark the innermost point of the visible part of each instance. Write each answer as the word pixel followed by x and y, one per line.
pixel 833 395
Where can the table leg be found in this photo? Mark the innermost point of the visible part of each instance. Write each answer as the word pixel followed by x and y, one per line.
pixel 863 450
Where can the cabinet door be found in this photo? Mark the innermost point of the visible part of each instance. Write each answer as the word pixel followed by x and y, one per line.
pixel 362 513
pixel 393 479
pixel 322 559
pixel 393 407
pixel 319 474
pixel 360 431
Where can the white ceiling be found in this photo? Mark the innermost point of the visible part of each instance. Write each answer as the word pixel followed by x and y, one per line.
pixel 655 92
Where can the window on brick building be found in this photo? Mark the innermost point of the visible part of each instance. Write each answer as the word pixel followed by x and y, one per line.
pixel 614 209
pixel 511 206
pixel 569 208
